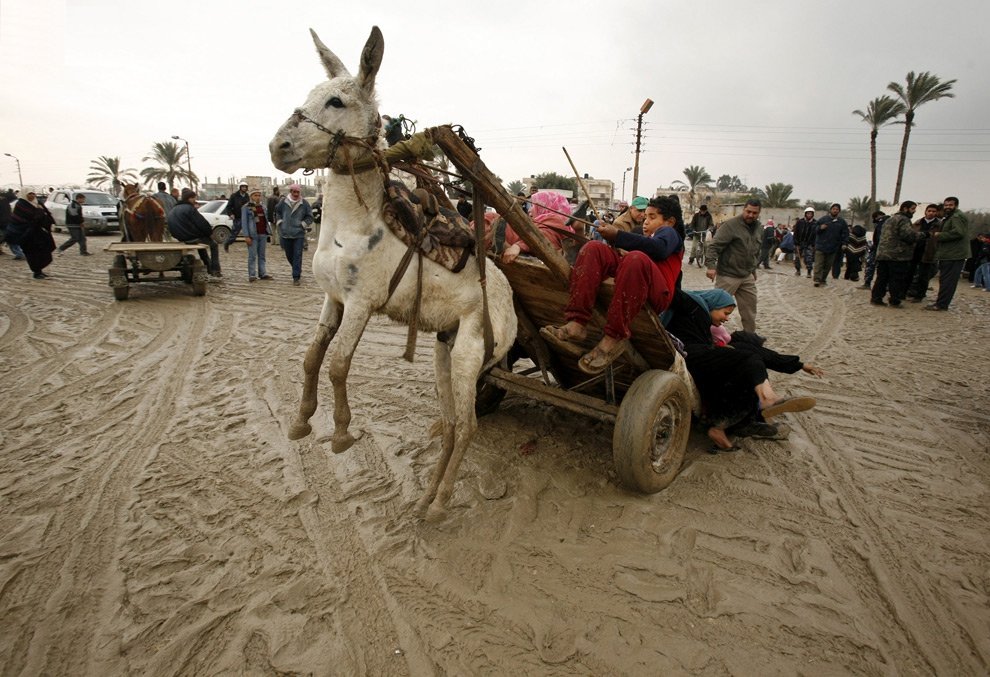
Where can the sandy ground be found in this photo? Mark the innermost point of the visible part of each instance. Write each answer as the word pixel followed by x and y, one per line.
pixel 156 520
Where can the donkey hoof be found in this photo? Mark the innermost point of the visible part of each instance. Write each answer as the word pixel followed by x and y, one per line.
pixel 342 443
pixel 299 430
pixel 435 513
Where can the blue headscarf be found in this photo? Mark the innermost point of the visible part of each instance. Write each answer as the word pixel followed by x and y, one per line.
pixel 708 299
pixel 712 299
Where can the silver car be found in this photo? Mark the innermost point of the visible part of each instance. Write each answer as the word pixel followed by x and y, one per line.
pixel 99 212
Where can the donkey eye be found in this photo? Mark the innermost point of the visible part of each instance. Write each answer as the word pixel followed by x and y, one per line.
pixel 335 102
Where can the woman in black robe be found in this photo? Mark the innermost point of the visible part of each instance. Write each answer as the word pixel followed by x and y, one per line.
pixel 31 224
pixel 732 380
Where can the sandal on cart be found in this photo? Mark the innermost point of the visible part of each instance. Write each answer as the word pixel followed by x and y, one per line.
pixel 558 338
pixel 788 404
pixel 596 361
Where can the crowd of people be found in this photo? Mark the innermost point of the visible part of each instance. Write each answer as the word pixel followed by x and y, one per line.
pixel 643 249
pixel 26 227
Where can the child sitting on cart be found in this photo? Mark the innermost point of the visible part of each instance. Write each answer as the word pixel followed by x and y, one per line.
pixel 647 270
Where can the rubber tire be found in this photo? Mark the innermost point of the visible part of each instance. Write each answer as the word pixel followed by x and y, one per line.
pixel 120 293
pixel 656 404
pixel 198 279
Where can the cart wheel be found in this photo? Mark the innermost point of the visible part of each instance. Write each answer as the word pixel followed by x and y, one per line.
pixel 199 278
pixel 651 431
pixel 186 269
pixel 118 281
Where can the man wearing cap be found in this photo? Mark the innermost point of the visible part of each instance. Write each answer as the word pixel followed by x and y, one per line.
pixel 233 209
pixel 732 256
pixel 186 224
pixel 631 220
pixel 804 241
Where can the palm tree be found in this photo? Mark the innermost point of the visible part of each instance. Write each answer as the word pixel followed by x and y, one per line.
pixel 171 156
pixel 779 195
pixel 881 111
pixel 697 177
pixel 106 171
pixel 862 207
pixel 920 89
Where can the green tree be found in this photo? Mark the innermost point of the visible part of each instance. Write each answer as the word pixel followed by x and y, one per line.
pixel 730 184
pixel 697 177
pixel 105 171
pixel 779 195
pixel 515 187
pixel 171 157
pixel 555 180
pixel 918 90
pixel 862 207
pixel 880 112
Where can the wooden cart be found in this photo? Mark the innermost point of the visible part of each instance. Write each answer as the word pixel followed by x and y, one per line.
pixel 149 261
pixel 648 404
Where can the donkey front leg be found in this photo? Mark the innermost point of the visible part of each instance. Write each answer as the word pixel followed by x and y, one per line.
pixel 352 325
pixel 325 330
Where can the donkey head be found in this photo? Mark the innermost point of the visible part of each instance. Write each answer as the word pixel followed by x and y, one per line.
pixel 343 103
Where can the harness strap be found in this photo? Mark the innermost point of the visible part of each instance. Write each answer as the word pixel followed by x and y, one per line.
pixel 479 252
pixel 400 271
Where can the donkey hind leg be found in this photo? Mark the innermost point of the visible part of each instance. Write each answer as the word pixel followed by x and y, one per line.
pixel 445 396
pixel 325 331
pixel 353 321
pixel 465 365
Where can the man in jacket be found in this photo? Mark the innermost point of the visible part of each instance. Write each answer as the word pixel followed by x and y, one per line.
pixel 923 266
pixel 894 254
pixel 270 205
pixel 165 199
pixel 951 250
pixel 294 216
pixel 701 223
pixel 804 241
pixel 74 222
pixel 186 224
pixel 832 233
pixel 731 259
pixel 631 220
pixel 233 209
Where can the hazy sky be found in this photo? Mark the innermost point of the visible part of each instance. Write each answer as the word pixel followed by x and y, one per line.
pixel 763 90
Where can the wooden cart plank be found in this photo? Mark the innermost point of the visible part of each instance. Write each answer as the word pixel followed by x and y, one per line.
pixel 136 247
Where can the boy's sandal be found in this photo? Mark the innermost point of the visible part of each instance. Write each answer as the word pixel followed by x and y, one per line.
pixel 558 338
pixel 596 361
pixel 788 404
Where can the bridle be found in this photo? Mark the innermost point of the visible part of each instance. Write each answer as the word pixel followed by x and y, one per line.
pixel 339 139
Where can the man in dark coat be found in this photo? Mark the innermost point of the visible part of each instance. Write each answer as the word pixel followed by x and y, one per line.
pixel 832 233
pixel 186 224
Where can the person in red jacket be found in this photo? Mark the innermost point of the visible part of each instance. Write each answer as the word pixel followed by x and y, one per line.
pixel 647 271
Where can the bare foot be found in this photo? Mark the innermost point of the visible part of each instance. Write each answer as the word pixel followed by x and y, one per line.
pixel 718 436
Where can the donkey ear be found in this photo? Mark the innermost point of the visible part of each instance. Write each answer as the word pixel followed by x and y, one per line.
pixel 333 66
pixel 371 59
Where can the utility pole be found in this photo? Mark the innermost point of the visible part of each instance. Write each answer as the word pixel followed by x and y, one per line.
pixel 644 109
pixel 19 178
pixel 188 161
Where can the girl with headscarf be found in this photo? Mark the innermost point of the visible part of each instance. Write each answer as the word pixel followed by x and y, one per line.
pixel 731 379
pixel 32 223
pixel 543 209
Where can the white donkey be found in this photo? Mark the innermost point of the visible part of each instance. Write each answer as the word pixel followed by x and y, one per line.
pixel 336 127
